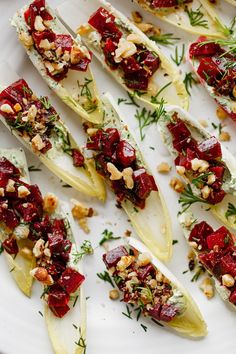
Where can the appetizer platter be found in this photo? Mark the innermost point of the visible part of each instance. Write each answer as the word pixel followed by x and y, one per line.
pixel 124 177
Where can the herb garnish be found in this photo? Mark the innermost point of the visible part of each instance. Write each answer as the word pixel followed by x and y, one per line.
pixel 178 57
pixel 144 327
pixel 33 169
pixel 1 248
pixel 81 342
pixel 45 102
pixel 131 102
pixel 40 313
pixel 174 242
pixel 219 127
pixel 105 276
pixel 65 139
pixel 129 312
pixel 230 211
pixel 91 105
pixel 187 198
pixel 196 18
pixel 155 99
pixel 164 39
pixel 107 236
pixel 200 179
pixel 189 80
pixel 86 248
pixel 158 323
pixel 199 272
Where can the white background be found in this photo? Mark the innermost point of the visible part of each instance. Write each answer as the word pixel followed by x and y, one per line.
pixel 22 329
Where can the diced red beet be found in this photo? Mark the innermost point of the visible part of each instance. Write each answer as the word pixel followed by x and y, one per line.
pixel 82 65
pixel 78 158
pixel 179 130
pixel 109 53
pixel 209 71
pixel 143 272
pixel 151 62
pixel 101 164
pixel 218 171
pixel 10 245
pixel 225 86
pixel 35 196
pixel 110 138
pixel 10 218
pixel 168 312
pixel 8 168
pixel 210 149
pixel 39 36
pixel 144 183
pixel 56 242
pixel 216 196
pixel 59 226
pixel 185 160
pixel 60 311
pixel 95 141
pixel 111 258
pixel 63 41
pixel 125 153
pixel 200 232
pixel 36 8
pixel 210 260
pixel 130 65
pixel 41 228
pixel 155 312
pixel 56 269
pixel 16 92
pixel 218 238
pixel 70 280
pixel 29 211
pixel 48 145
pixel 197 49
pixel 228 263
pixel 232 297
pixel 57 296
pixel 137 80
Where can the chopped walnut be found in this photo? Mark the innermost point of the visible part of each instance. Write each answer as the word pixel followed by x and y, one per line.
pixel 42 275
pixel 228 280
pixel 37 143
pixel 145 27
pixel 128 177
pixel 143 259
pixel 180 170
pixel 124 262
pixel 164 167
pixel 50 203
pixel 199 165
pixel 115 174
pixel 23 191
pixel 207 287
pixel 221 114
pixel 17 107
pixel 114 294
pixel 137 17
pixel 177 184
pixel 224 136
pixel 39 248
pixel 10 187
pixel 38 24
pixel 81 213
pixel 26 39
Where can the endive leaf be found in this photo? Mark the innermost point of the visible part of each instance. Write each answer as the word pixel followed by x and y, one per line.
pixel 232 2
pixel 229 161
pixel 179 17
pixel 174 93
pixel 84 179
pixel 19 266
pixel 68 89
pixel 191 322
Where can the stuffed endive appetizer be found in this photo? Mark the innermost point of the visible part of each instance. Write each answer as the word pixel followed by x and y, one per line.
pixel 62 60
pixel 215 250
pixel 119 160
pixel 145 282
pixel 35 122
pixel 195 16
pixel 207 166
pixel 130 57
pixel 214 61
pixel 15 191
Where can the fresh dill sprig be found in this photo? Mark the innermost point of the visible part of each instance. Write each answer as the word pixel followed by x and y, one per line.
pixel 128 313
pixel 217 126
pixel 85 248
pixel 146 117
pixel 230 211
pixel 196 17
pixel 164 39
pixel 187 198
pixel 107 236
pixel 226 30
pixel 198 273
pixel 155 99
pixel 130 102
pixel 91 104
pixel 105 276
pixel 45 102
pixel 81 342
pixel 189 80
pixel 200 179
pixel 178 57
pixel 65 139
pixel 34 169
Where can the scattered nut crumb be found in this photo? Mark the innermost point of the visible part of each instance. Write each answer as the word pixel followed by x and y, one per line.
pixel 224 136
pixel 207 287
pixel 137 17
pixel 164 167
pixel 177 185
pixel 221 114
pixel 114 294
pixel 128 233
pixel 81 213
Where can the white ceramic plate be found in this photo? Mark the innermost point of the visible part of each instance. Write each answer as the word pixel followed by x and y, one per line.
pixel 22 329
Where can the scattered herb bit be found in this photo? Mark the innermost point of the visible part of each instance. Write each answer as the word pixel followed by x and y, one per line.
pixel 45 291
pixel 74 326
pixel 178 57
pixel 187 198
pixel 230 211
pixel 129 312
pixel 81 342
pixel 196 18
pixel 217 126
pixel 189 80
pixel 40 313
pixel 164 39
pixel 144 327
pixel 227 31
pixel 1 248
pixel 185 271
pixel 75 301
pixel 158 323
pixel 65 139
pixel 155 99
pixel 87 298
pixel 199 272
pixel 151 147
pixel 200 179
pixel 12 269
pixel 45 102
pixel 191 264
pixel 85 248
pixel 107 236
pixel 33 169
pixel 105 276
pixel 121 100
pixel 174 242
pixel 91 105
pixel 139 311
pixel 66 186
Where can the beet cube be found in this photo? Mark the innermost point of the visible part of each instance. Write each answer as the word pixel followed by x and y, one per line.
pixel 228 263
pixel 209 71
pixel 56 269
pixel 60 311
pixel 28 211
pixel 125 153
pixel 78 158
pixel 101 164
pixel 198 49
pixel 130 65
pixel 143 272
pixel 218 238
pixel 111 258
pixel 137 80
pixel 155 312
pixel 7 167
pixel 64 41
pixel 179 131
pixel 199 234
pixel 16 92
pixel 210 149
pixel 110 138
pixel 10 245
pixel 95 141
pixel 57 297
pixel 56 242
pixel 144 183
pixel 70 280
pixel 168 312
pixel 109 53
pixel 216 197
pixel 151 62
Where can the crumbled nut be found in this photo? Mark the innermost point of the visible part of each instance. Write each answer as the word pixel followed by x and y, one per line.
pixel 42 275
pixel 124 50
pixel 26 39
pixel 224 136
pixel 38 24
pixel 128 177
pixel 80 212
pixel 124 262
pixel 45 44
pixel 10 187
pixel 2 193
pixel 66 56
pixel 76 54
pixel 38 248
pixel 26 253
pixel 114 294
pixel 6 108
pixel 47 23
pixel 25 101
pixel 137 17
pixel 37 143
pixel 193 244
pixel 199 165
pixel 177 185
pixel 145 27
pixel 143 259
pixel 153 283
pixel 180 170
pixel 211 179
pixel 203 122
pixel 21 231
pixel 47 252
pixel 221 114
pixel 91 131
pixel 207 287
pixel 17 107
pixel 164 167
pixel 83 29
pixel 115 174
pixel 205 191
pixel 228 280
pixel 22 191
pixel 50 203
pixel 49 66
pixel 135 38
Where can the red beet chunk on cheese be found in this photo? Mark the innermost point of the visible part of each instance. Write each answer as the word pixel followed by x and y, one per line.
pixel 111 258
pixel 232 297
pixel 82 65
pixel 95 141
pixel 218 238
pixel 151 62
pixel 56 242
pixel 130 65
pixel 70 280
pixel 109 53
pixel 16 92
pixel 137 80
pixel 78 158
pixel 144 183
pixel 10 245
pixel 198 49
pixel 179 130
pixel 199 234
pixel 155 312
pixel 57 297
pixel 36 8
pixel 143 272
pixel 228 263
pixel 39 36
pixel 125 153
pixel 60 311
pixel 101 164
pixel 56 269
pixel 210 149
pixel 8 168
pixel 216 196
pixel 209 71
pixel 64 41
pixel 167 313
pixel 110 138
pixel 29 211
